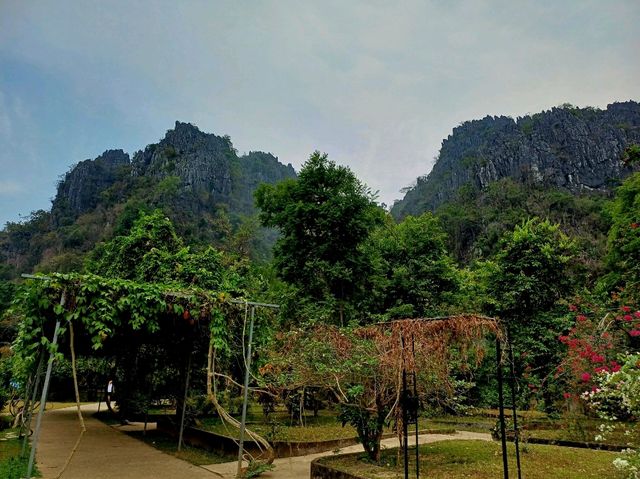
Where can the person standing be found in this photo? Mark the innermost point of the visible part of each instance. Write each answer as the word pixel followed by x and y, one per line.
pixel 110 392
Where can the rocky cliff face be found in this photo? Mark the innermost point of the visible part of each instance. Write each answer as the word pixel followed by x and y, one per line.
pixel 572 148
pixel 205 165
pixel 80 189
pixel 200 160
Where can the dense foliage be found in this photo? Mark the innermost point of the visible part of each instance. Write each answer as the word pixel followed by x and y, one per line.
pixel 323 216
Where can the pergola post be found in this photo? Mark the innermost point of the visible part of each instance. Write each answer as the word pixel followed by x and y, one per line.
pixel 512 386
pixel 45 391
pixel 25 424
pixel 184 404
pixel 243 421
pixel 503 434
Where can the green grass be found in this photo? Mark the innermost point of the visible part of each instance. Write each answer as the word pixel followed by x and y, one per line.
pixel 483 460
pixel 12 466
pixel 169 445
pixel 324 427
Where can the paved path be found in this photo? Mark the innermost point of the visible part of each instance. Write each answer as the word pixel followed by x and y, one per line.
pixel 299 467
pixel 107 453
pixel 104 452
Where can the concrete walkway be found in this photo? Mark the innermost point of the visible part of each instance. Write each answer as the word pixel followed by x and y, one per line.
pixel 107 453
pixel 299 467
pixel 104 452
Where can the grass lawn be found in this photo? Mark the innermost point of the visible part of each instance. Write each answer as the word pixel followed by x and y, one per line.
pixel 483 460
pixel 169 445
pixel 11 465
pixel 323 427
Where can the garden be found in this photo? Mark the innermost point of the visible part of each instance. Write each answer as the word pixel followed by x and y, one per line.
pixel 363 335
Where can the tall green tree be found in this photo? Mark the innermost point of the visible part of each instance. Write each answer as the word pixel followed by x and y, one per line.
pixel 414 276
pixel 623 256
pixel 324 216
pixel 529 276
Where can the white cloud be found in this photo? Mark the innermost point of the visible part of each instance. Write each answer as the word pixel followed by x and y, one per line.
pixel 10 188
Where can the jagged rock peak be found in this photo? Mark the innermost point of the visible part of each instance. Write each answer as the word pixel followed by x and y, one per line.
pixel 566 147
pixel 113 158
pixel 79 190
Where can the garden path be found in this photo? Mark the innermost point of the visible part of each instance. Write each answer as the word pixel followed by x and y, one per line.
pixel 106 453
pixel 300 467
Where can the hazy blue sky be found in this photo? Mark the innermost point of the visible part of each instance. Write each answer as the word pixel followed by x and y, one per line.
pixel 377 85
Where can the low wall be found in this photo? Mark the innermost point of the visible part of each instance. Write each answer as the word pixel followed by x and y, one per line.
pixel 225 445
pixel 319 470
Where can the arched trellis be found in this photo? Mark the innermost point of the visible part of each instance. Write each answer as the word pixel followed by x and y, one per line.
pixel 330 357
pixel 404 329
pixel 197 300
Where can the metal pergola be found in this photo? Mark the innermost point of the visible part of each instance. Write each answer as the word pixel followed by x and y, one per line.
pixel 34 382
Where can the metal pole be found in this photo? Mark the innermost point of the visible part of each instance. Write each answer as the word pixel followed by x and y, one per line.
pixel 503 434
pixel 184 404
pixel 43 396
pixel 512 386
pixel 415 396
pixel 246 395
pixel 405 425
pixel 28 407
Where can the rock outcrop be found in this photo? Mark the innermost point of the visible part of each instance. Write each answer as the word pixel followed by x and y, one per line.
pixel 79 190
pixel 572 148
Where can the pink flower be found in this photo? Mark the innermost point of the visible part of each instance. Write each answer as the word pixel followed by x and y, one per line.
pixel 637 314
pixel 615 367
pixel 634 332
pixel 581 317
pixel 628 317
pixel 586 377
pixel 626 309
pixel 573 307
pixel 566 395
pixel 597 358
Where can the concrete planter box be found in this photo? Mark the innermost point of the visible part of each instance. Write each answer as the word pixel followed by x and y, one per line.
pixel 225 445
pixel 319 470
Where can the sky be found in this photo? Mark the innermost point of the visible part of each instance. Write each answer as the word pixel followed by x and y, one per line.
pixel 377 85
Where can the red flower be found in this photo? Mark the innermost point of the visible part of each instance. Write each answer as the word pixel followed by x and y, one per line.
pixel 628 317
pixel 597 358
pixel 586 377
pixel 615 367
pixel 581 317
pixel 634 225
pixel 634 332
pixel 626 309
pixel 566 395
pixel 637 314
pixel 573 307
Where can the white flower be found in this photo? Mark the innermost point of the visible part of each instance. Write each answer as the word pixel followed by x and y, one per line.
pixel 620 463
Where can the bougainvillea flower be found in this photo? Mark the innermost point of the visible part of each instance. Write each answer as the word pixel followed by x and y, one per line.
pixel 586 377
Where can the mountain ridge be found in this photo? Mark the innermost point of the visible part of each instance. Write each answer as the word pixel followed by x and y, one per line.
pixel 577 149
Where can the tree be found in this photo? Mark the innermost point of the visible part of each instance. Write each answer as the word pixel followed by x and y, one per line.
pixel 527 279
pixel 363 366
pixel 623 257
pixel 413 273
pixel 324 216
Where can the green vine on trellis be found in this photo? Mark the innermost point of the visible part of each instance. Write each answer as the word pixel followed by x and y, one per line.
pixel 105 305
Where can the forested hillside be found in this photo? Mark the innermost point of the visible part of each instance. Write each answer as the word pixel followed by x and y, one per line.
pixel 196 179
